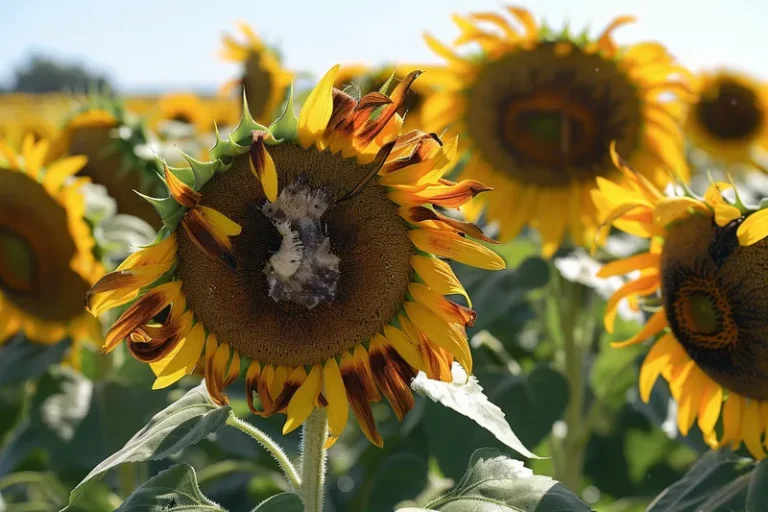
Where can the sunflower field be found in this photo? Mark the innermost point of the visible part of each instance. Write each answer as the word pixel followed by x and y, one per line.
pixel 524 277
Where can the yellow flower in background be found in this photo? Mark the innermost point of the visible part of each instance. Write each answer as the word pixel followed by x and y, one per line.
pixel 309 252
pixel 101 130
pixel 46 247
pixel 263 79
pixel 372 79
pixel 705 265
pixel 184 108
pixel 538 111
pixel 729 119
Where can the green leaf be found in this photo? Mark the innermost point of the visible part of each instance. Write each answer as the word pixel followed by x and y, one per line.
pixel 709 482
pixel 465 396
pixel 173 489
pixel 496 483
pixel 398 477
pixel 184 423
pixel 21 359
pixel 757 492
pixel 283 502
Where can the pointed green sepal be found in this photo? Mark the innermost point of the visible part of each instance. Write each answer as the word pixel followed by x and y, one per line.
pixel 185 174
pixel 286 127
pixel 247 124
pixel 166 207
pixel 217 151
pixel 203 171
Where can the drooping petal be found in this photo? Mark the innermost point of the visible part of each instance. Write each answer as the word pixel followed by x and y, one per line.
pixel 263 166
pixel 446 309
pixel 657 359
pixel 303 402
pixel 439 276
pixel 211 242
pixel 654 325
pixel 407 348
pixel 435 220
pixel 445 335
pixel 293 381
pixel 141 312
pixel 184 361
pixel 121 286
pixel 338 405
pixel 450 245
pixel 392 375
pixel 709 408
pixel 357 396
pixel 447 196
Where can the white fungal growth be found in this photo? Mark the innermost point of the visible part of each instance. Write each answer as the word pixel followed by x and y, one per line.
pixel 303 270
pixel 287 260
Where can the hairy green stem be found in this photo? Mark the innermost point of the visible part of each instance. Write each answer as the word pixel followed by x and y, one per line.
pixel 313 458
pixel 270 445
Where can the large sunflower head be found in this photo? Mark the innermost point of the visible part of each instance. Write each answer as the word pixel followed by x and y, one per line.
pixel 38 117
pixel 46 247
pixel 263 79
pixel 385 78
pixel 309 252
pixel 539 110
pixel 729 119
pixel 112 140
pixel 703 277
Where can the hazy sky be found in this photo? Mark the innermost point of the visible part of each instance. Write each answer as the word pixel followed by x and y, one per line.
pixel 153 44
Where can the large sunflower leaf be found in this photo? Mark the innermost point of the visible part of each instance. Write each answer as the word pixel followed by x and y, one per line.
pixel 184 423
pixel 173 489
pixel 496 483
pixel 757 493
pixel 718 479
pixel 283 502
pixel 465 396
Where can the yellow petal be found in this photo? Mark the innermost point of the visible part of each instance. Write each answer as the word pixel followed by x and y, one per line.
pixel 338 404
pixel 690 398
pixel 672 209
pixel 439 276
pixel 448 336
pixel 725 213
pixel 733 411
pixel 752 430
pixel 220 222
pixel 184 360
pixel 404 346
pixel 654 325
pixel 317 109
pixel 626 265
pixel 709 408
pixel 655 362
pixel 62 169
pixel 303 402
pixel 754 228
pixel 644 285
pixel 450 245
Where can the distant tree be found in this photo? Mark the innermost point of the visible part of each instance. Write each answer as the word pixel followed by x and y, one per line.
pixel 44 74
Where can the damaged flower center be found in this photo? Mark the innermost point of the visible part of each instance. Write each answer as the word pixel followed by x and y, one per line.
pixel 303 270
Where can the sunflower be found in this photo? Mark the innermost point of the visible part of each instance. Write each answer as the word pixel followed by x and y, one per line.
pixel 109 137
pixel 46 248
pixel 703 278
pixel 375 79
pixel 263 80
pixel 306 251
pixel 538 110
pixel 183 108
pixel 729 119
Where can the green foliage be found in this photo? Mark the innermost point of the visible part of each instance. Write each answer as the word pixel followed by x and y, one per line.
pixel 718 481
pixel 496 483
pixel 283 502
pixel 174 489
pixel 184 423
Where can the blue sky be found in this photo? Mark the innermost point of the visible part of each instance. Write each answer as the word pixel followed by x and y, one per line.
pixel 156 44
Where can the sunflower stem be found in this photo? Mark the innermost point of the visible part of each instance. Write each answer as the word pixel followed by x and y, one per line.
pixel 573 445
pixel 313 458
pixel 270 445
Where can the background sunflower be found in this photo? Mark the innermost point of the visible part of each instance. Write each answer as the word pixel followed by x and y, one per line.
pixel 538 110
